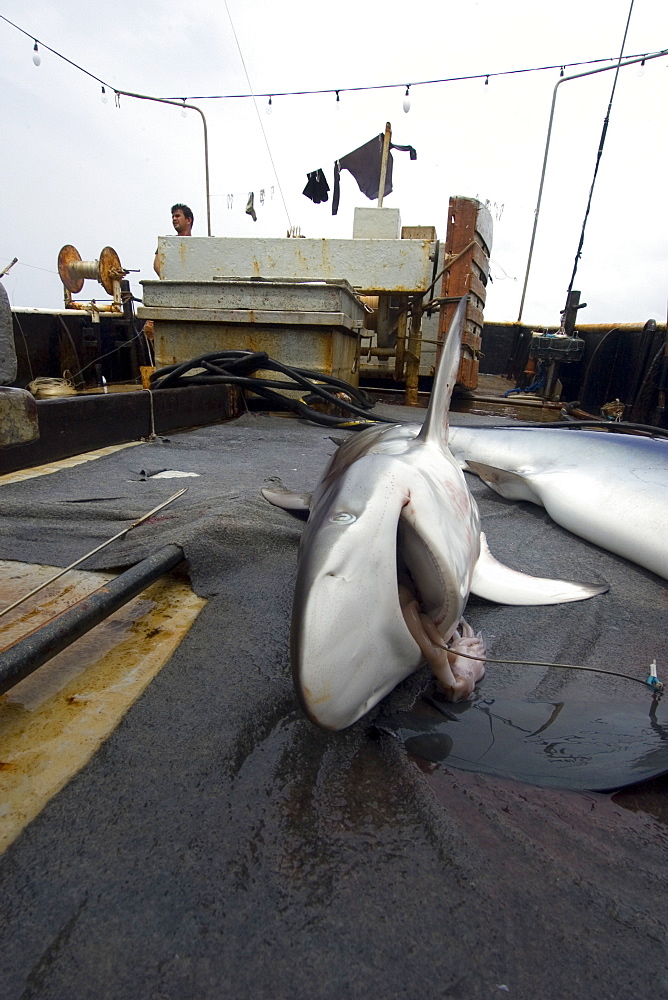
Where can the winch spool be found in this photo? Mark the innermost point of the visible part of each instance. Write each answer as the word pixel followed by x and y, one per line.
pixel 108 270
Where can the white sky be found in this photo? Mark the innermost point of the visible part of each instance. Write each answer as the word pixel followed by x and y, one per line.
pixel 79 171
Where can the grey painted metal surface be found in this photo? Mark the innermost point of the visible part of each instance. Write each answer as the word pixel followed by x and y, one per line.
pixel 218 846
pixel 324 349
pixel 377 223
pixel 312 303
pixel 7 348
pixel 18 417
pixel 368 265
pixel 308 324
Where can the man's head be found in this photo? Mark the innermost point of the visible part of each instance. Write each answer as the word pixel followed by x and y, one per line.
pixel 182 219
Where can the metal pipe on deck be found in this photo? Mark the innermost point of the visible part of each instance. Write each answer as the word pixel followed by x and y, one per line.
pixel 25 656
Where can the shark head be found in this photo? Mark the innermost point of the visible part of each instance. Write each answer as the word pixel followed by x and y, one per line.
pixel 351 644
pixel 347 618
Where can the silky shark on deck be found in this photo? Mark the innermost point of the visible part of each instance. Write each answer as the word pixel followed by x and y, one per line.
pixel 610 488
pixel 391 550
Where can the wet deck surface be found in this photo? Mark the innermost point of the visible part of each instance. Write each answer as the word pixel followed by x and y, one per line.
pixel 218 845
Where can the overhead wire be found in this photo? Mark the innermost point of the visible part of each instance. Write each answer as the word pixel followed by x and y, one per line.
pixel 606 122
pixel 259 117
pixel 341 90
pixel 35 267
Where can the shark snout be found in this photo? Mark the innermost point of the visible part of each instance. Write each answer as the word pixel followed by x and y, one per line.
pixel 350 644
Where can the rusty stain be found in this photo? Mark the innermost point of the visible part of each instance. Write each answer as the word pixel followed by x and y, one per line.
pixel 43 742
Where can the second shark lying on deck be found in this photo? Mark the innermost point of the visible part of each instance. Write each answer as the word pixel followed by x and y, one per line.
pixel 607 487
pixel 387 560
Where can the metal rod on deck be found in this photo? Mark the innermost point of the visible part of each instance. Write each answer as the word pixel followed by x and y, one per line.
pixel 92 552
pixel 30 653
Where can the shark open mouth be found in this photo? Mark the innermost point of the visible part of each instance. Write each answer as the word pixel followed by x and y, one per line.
pixel 456 675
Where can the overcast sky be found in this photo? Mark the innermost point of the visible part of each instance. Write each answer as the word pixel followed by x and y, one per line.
pixel 78 171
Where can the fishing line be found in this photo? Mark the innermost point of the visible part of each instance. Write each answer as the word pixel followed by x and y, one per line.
pixel 612 427
pixel 35 267
pixel 601 143
pixel 652 680
pixel 25 344
pixel 259 117
pixel 126 343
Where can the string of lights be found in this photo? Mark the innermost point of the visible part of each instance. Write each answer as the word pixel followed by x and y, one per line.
pixel 337 91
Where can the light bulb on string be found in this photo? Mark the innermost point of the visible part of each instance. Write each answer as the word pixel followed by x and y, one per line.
pixel 487 81
pixel 641 68
pixel 103 96
pixel 337 106
pixel 269 107
pixel 184 113
pixel 562 71
pixel 407 100
pixel 36 57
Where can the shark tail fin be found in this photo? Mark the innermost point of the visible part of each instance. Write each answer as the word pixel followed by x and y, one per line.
pixel 435 426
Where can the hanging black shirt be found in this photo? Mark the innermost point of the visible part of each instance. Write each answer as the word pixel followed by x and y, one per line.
pixel 364 164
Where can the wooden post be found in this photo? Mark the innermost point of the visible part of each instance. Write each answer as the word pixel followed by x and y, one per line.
pixel 469 230
pixel 383 163
pixel 413 351
pixel 401 339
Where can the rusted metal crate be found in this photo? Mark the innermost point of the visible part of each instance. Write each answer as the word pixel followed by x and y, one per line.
pixel 307 324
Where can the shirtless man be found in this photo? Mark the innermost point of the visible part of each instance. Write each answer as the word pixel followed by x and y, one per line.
pixel 182 220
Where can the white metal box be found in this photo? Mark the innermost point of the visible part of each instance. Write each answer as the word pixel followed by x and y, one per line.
pixel 376 224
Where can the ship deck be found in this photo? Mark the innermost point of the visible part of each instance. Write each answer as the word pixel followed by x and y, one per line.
pixel 210 842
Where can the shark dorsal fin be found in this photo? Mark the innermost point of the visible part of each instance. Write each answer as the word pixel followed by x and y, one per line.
pixel 435 426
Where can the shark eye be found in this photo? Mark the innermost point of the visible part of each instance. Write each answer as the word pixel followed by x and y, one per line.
pixel 343 518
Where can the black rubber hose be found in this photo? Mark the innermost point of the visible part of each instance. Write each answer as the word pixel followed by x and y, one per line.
pixel 234 368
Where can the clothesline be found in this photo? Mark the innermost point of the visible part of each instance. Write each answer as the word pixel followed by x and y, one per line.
pixel 365 164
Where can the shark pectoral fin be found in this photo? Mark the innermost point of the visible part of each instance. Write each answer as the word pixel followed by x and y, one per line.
pixel 511 485
pixel 280 496
pixel 496 582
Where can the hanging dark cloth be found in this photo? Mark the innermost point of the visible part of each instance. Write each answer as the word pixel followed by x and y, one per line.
pixel 364 164
pixel 316 187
